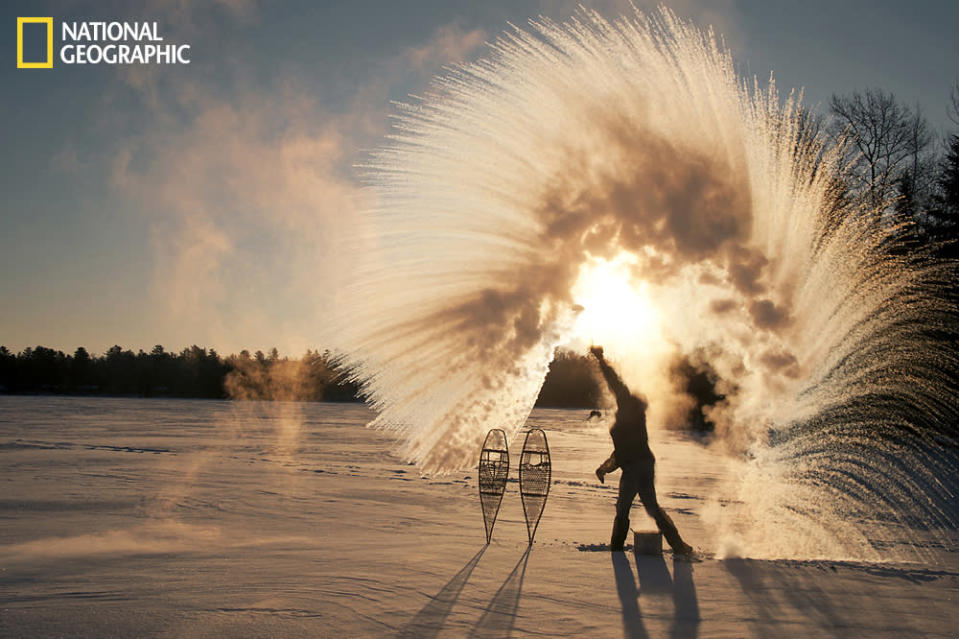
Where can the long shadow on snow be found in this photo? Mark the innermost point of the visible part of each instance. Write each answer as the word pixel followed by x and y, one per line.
pixel 654 577
pixel 429 621
pixel 633 626
pixel 500 615
pixel 685 602
pixel 779 589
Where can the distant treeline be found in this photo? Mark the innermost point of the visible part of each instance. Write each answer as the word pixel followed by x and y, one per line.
pixel 570 383
pixel 197 372
pixel 193 372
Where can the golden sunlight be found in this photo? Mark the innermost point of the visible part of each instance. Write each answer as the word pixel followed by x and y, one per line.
pixel 617 310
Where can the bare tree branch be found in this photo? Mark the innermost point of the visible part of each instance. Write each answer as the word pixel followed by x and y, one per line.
pixel 885 139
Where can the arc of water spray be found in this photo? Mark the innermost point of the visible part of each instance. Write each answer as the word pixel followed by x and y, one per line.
pixel 591 138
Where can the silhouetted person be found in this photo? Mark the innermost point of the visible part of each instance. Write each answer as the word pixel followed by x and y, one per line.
pixel 631 453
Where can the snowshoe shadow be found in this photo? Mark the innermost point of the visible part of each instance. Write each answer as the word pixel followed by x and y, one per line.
pixel 500 615
pixel 429 621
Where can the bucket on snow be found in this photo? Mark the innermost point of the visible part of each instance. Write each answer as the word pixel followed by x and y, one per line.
pixel 647 542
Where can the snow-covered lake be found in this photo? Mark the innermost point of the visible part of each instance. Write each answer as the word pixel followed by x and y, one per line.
pixel 166 518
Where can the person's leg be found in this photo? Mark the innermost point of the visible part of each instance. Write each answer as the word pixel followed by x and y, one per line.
pixel 627 492
pixel 646 487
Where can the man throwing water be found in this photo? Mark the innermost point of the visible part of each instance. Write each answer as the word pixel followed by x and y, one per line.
pixel 631 453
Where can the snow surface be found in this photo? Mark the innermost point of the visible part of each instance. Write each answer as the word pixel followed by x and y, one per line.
pixel 164 518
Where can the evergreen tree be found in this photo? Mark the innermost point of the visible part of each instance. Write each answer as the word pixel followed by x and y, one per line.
pixel 948 197
pixel 945 212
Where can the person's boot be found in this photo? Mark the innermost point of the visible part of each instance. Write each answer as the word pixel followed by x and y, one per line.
pixel 620 530
pixel 668 528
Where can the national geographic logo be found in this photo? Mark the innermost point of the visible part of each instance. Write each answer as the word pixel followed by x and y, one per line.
pixel 95 42
pixel 47 62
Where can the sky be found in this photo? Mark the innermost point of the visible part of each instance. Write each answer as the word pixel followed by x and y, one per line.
pixel 206 203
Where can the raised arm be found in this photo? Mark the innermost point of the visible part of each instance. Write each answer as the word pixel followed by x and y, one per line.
pixel 615 384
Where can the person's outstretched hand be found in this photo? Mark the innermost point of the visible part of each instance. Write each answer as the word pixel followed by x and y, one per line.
pixel 597 351
pixel 601 475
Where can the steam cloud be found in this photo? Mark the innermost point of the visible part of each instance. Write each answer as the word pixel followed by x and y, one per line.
pixel 573 142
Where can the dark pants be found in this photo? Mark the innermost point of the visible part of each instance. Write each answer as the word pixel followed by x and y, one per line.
pixel 639 478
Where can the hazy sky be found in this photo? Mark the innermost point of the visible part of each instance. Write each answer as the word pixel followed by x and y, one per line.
pixel 203 203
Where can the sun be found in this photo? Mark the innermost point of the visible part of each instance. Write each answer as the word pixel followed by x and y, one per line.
pixel 617 310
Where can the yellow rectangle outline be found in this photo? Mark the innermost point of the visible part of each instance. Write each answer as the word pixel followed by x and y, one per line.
pixel 35 65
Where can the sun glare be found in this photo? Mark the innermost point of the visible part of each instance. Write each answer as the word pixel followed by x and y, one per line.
pixel 617 310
